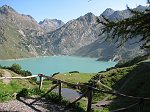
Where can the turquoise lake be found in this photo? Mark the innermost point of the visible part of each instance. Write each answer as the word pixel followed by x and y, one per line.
pixel 52 64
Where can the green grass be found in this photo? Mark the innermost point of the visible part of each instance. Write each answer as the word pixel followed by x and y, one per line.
pixel 11 48
pixel 46 85
pixel 137 76
pixel 7 91
pixel 75 77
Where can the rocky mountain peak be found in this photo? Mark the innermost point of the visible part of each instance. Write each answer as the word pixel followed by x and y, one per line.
pixel 140 8
pixel 108 12
pixel 89 14
pixel 5 9
pixel 119 15
pixel 51 24
pixel 88 18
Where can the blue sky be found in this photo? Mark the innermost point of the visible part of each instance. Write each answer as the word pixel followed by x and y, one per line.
pixel 66 10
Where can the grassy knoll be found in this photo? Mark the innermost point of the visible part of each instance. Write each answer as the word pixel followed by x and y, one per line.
pixel 75 77
pixel 132 79
pixel 9 89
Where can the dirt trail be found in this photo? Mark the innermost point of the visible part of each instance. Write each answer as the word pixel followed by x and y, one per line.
pixel 6 74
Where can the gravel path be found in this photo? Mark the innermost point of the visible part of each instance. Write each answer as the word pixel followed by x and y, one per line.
pixel 22 105
pixel 6 74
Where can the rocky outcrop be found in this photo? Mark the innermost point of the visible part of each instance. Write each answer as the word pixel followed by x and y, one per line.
pixel 108 12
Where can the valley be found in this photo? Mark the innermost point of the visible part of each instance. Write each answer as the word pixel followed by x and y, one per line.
pixel 79 37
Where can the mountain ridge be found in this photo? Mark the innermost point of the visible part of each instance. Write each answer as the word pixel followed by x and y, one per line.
pixel 81 34
pixel 51 24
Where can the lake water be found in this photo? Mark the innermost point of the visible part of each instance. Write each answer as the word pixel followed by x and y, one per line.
pixel 52 64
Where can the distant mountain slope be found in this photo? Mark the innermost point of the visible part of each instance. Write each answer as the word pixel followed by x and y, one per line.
pixel 108 50
pixel 21 36
pixel 51 24
pixel 120 14
pixel 17 34
pixel 73 35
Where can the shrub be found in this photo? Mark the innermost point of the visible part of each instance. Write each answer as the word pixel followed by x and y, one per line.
pixel 54 97
pixel 16 68
pixel 35 91
pixel 25 73
pixel 23 93
pixel 5 96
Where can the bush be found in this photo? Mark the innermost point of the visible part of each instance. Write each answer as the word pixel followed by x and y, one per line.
pixel 23 93
pixel 16 68
pixel 25 73
pixel 35 91
pixel 5 96
pixel 29 92
pixel 54 97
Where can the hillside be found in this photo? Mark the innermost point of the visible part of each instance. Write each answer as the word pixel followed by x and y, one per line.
pixel 9 87
pixel 107 51
pixel 133 80
pixel 73 35
pixel 17 35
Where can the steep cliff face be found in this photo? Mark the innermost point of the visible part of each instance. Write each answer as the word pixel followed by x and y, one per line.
pixel 73 35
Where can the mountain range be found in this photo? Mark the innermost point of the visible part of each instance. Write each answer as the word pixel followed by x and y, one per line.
pixel 22 36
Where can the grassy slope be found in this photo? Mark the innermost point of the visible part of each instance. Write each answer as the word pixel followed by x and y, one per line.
pixel 136 81
pixel 11 47
pixel 74 77
pixel 139 85
pixel 15 85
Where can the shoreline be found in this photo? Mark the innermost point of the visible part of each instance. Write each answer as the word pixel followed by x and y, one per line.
pixel 44 57
pixel 22 58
